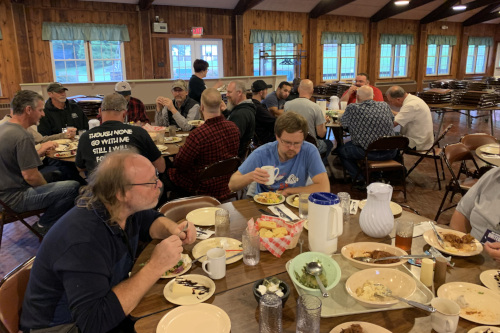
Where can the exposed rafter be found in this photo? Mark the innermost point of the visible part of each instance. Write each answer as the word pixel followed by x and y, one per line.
pixel 450 11
pixel 488 13
pixel 390 9
pixel 145 4
pixel 243 5
pixel 326 6
pixel 432 16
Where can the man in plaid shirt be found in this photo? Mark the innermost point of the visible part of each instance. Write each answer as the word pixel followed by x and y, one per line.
pixel 136 111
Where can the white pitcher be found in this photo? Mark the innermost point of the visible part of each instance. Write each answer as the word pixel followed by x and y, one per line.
pixel 324 222
pixel 376 219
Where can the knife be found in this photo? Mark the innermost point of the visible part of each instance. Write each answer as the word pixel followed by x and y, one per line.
pixel 438 236
pixel 265 212
pixel 282 212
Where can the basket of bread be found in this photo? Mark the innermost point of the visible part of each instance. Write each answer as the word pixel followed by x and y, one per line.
pixel 277 235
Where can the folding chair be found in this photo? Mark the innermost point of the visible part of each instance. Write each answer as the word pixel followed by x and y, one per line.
pixel 220 170
pixel 8 216
pixel 433 152
pixel 474 141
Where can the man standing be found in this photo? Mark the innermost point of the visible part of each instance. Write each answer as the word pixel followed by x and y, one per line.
pixel 178 112
pixel 299 163
pixel 136 112
pixel 313 114
pixel 80 277
pixel 61 113
pixel 367 121
pixel 196 83
pixel 242 113
pixel 216 140
pixel 22 186
pixel 361 80
pixel 264 120
pixel 275 101
pixel 113 135
pixel 414 116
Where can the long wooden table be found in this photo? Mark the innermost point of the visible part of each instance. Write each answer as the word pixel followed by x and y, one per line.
pixel 234 292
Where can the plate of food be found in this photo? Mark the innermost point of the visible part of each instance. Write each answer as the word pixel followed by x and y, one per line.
pixel 484 329
pixel 231 245
pixel 372 250
pixel 477 303
pixel 293 200
pixel 196 122
pixel 63 141
pixel 172 139
pixel 395 208
pixel 456 243
pixel 358 326
pixel 65 154
pixel 269 198
pixel 62 148
pixel 491 149
pixel 189 289
pixel 203 216
pixel 208 318
pixel 491 279
pixel 162 147
pixel 180 268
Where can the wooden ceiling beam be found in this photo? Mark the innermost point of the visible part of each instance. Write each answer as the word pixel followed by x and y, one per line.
pixel 488 13
pixel 145 4
pixel 326 6
pixel 439 15
pixel 390 9
pixel 436 13
pixel 243 5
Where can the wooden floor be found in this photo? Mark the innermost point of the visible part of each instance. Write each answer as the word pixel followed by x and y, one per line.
pixel 18 244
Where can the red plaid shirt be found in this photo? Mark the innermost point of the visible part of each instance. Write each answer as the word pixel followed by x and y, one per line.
pixel 217 139
pixel 136 111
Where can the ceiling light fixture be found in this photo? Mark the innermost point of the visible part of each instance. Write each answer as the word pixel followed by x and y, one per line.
pixel 459 6
pixel 401 2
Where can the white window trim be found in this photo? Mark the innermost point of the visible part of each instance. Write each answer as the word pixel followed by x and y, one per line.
pixel 437 60
pixel 339 62
pixel 393 62
pixel 474 62
pixel 195 53
pixel 91 57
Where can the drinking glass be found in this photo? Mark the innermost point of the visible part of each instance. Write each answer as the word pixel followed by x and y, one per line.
pixel 251 247
pixel 404 234
pixel 303 205
pixel 172 130
pixel 345 203
pixel 270 314
pixel 222 223
pixel 308 314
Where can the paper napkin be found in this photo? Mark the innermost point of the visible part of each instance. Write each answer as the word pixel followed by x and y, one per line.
pixel 285 210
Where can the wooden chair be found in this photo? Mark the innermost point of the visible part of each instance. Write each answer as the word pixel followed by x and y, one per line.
pixel 460 182
pixel 433 152
pixel 12 289
pixel 8 216
pixel 177 210
pixel 220 169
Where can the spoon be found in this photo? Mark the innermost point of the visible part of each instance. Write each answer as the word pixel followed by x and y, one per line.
pixel 372 260
pixel 315 269
pixel 388 293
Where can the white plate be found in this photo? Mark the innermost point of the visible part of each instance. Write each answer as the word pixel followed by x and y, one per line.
pixel 162 147
pixel 65 154
pixel 172 139
pixel 202 216
pixel 187 266
pixel 223 242
pixel 306 225
pixel 367 327
pixel 196 122
pixel 182 134
pixel 490 149
pixel 282 199
pixel 395 208
pixel 289 200
pixel 431 239
pixel 359 249
pixel 488 279
pixel 190 299
pixel 62 141
pixel 208 318
pixel 62 148
pixel 477 303
pixel 481 329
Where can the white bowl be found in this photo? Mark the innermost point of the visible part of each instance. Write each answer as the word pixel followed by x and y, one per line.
pixel 399 283
pixel 359 250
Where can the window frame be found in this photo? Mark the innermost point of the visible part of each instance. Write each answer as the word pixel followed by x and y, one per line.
pixel 474 57
pixel 340 61
pixel 438 58
pixel 393 58
pixel 274 62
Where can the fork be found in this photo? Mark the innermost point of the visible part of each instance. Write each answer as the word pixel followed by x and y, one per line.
pixel 388 293
pixel 184 229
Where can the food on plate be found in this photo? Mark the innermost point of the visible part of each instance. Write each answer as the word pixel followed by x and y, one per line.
pixel 309 280
pixel 465 243
pixel 268 229
pixel 370 289
pixel 185 287
pixel 179 267
pixel 354 328
pixel 269 197
pixel 296 200
pixel 377 254
pixel 497 278
pixel 270 286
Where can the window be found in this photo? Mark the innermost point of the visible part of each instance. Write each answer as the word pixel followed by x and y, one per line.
pixel 438 59
pixel 280 62
pixel 393 60
pixel 183 52
pixel 339 61
pixel 84 61
pixel 476 59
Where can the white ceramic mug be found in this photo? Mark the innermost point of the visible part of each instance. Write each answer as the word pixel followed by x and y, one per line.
pixel 343 105
pixel 216 262
pixel 272 172
pixel 445 319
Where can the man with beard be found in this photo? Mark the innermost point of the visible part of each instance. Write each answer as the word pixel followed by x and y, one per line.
pixel 242 113
pixel 179 111
pixel 276 100
pixel 264 120
pixel 60 112
pixel 299 163
pixel 361 80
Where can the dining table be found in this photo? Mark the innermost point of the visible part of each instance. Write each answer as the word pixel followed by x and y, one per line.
pixel 234 293
pixel 489 154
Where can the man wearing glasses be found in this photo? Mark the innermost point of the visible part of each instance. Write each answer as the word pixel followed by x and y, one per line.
pixel 299 163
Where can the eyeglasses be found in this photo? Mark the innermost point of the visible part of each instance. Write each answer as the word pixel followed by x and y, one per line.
pixel 155 183
pixel 291 144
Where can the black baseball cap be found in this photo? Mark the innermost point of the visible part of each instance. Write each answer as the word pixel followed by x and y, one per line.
pixel 260 85
pixel 56 86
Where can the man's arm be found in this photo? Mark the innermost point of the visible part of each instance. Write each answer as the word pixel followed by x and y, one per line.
pixel 159 164
pixel 321 130
pixel 320 184
pixel 493 249
pixel 33 177
pixel 239 180
pixel 345 97
pixel 460 223
pixel 193 114
pixel 275 111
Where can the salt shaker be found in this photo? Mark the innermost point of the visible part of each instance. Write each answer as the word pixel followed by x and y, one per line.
pixel 270 308
pixel 440 273
pixel 427 272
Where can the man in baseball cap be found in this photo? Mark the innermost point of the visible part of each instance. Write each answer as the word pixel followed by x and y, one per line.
pixel 264 120
pixel 136 112
pixel 260 85
pixel 56 87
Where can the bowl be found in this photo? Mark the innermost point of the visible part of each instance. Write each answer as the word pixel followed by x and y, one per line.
pixel 283 285
pixel 399 283
pixel 330 267
pixel 357 249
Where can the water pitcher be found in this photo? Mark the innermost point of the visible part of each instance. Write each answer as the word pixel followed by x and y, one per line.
pixel 324 222
pixel 376 219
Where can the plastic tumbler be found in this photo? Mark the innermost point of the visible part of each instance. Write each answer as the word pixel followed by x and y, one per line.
pixel 270 312
pixel 222 223
pixel 308 314
pixel 345 203
pixel 251 247
pixel 303 205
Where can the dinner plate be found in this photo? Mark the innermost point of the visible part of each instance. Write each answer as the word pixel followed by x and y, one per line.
pixel 182 134
pixel 491 149
pixel 282 199
pixel 367 327
pixel 202 216
pixel 172 139
pixel 196 122
pixel 206 318
pixel 62 141
pixel 162 147
pixel 226 243
pixel 187 266
pixel 190 299
pixel 488 279
pixel 65 154
pixel 395 208
pixel 289 200
pixel 482 329
pixel 477 303
pixel 62 148
pixel 431 239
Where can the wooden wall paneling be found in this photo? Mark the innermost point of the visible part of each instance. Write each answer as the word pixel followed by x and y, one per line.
pixel 421 61
pixel 161 59
pixel 373 49
pixel 233 49
pixel 23 46
pixel 10 75
pixel 146 48
pixel 315 52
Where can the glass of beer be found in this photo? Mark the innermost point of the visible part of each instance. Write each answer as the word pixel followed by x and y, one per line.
pixel 404 234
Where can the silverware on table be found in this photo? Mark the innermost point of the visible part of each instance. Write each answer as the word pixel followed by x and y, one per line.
pixel 388 293
pixel 231 257
pixel 265 212
pixel 438 236
pixel 282 213
pixel 372 260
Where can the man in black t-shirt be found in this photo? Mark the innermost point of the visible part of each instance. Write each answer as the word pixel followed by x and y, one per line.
pixel 196 83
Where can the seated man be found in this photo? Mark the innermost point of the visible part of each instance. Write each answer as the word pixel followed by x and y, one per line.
pixel 479 210
pixel 367 121
pixel 361 80
pixel 414 116
pixel 136 112
pixel 264 120
pixel 80 277
pixel 299 163
pixel 275 101
pixel 22 186
pixel 217 139
pixel 112 135
pixel 179 113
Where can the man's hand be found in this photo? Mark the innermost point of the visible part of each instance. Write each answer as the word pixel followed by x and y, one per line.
pixel 493 249
pixel 260 176
pixel 352 89
pixel 46 146
pixel 161 102
pixel 188 236
pixel 70 133
pixel 223 106
pixel 166 254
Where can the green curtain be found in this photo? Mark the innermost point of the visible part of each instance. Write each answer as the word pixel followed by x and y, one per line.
pixel 84 31
pixel 394 39
pixel 275 36
pixel 441 40
pixel 342 38
pixel 488 41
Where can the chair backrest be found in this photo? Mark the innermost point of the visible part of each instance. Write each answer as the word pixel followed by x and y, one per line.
pixel 177 210
pixel 12 289
pixel 311 139
pixel 219 169
pixel 473 141
pixel 457 153
pixel 398 142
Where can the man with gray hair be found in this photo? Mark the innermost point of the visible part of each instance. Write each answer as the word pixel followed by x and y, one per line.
pixel 112 135
pixel 366 121
pixel 242 113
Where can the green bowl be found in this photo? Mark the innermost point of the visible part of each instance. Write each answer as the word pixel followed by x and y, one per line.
pixel 330 267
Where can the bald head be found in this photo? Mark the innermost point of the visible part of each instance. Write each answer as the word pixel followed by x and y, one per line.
pixel 211 101
pixel 306 88
pixel 364 93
